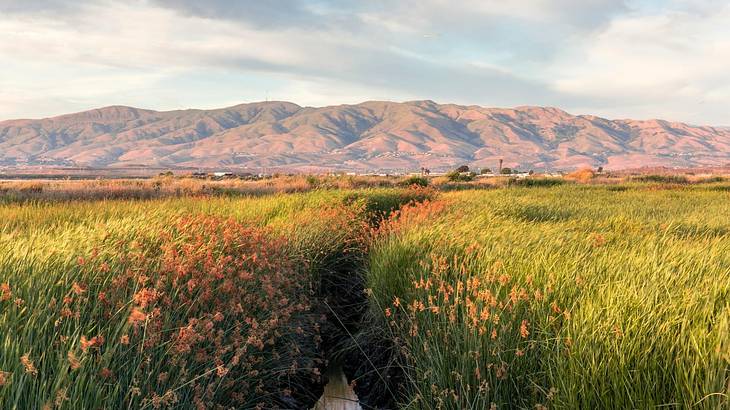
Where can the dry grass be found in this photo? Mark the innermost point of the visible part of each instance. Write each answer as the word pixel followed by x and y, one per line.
pixel 582 175
pixel 166 187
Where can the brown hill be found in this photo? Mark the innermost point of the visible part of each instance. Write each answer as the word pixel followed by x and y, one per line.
pixel 367 136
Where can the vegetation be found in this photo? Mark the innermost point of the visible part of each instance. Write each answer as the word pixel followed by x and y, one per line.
pixel 668 179
pixel 536 182
pixel 573 297
pixel 456 176
pixel 584 175
pixel 415 180
pixel 538 294
pixel 166 187
pixel 129 304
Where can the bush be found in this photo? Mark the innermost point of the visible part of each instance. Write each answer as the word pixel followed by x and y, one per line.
pixel 582 175
pixel 667 179
pixel 456 176
pixel 710 180
pixel 415 180
pixel 312 181
pixel 506 171
pixel 536 182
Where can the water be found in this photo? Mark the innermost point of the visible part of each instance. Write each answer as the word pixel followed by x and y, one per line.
pixel 337 393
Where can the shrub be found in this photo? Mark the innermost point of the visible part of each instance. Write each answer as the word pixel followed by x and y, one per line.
pixel 312 180
pixel 455 176
pixel 582 175
pixel 415 180
pixel 536 182
pixel 664 179
pixel 710 180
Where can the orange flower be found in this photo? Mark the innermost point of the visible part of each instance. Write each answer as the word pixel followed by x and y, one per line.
pixel 137 316
pixel 5 292
pixel 145 297
pixel 4 378
pixel 597 239
pixel 61 397
pixel 105 373
pixel 523 329
pixel 84 344
pixel 28 364
pixel 73 360
pixel 77 289
pixel 95 341
pixel 124 340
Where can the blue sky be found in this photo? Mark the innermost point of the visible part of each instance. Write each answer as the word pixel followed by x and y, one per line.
pixel 618 59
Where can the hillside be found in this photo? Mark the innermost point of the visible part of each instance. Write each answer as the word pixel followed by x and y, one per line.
pixel 367 136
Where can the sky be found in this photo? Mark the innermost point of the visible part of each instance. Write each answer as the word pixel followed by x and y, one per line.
pixel 617 59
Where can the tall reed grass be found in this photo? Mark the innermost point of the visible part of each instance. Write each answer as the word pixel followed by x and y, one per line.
pixel 188 302
pixel 567 297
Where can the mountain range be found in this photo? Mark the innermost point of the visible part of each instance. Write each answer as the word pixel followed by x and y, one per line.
pixel 373 135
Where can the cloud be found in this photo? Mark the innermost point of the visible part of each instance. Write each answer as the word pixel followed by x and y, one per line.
pixel 260 14
pixel 36 6
pixel 589 56
pixel 671 62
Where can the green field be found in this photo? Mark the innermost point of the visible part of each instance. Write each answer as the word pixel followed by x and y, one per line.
pixel 569 296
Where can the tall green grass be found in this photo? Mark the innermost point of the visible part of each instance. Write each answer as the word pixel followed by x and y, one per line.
pixel 606 299
pixel 565 297
pixel 194 302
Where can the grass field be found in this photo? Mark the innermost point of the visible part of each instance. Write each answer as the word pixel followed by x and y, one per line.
pixel 539 295
pixel 570 297
pixel 180 302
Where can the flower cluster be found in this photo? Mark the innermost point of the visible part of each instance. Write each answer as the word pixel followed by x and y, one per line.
pixel 210 311
pixel 473 329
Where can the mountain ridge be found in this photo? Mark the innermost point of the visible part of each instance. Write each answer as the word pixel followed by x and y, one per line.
pixel 372 135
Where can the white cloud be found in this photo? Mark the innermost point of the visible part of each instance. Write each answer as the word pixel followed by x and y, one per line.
pixel 635 59
pixel 657 64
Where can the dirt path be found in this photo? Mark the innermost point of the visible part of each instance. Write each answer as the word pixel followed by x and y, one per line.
pixel 337 393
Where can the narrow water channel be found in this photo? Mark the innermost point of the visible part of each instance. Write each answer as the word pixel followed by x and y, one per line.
pixel 337 393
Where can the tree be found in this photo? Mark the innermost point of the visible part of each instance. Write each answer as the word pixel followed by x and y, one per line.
pixel 486 171
pixel 462 168
pixel 456 176
pixel 600 170
pixel 506 171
